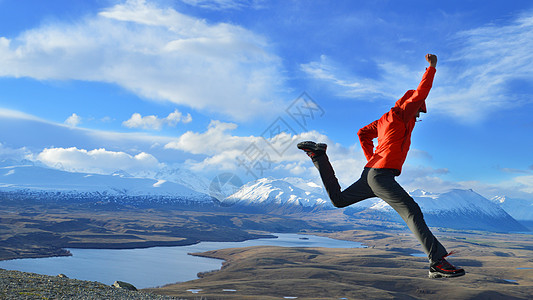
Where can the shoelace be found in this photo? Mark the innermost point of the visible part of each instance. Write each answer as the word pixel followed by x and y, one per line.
pixel 451 253
pixel 444 264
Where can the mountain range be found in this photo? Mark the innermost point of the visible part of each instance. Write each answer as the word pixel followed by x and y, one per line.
pixel 520 209
pixel 55 184
pixel 461 209
pixel 272 194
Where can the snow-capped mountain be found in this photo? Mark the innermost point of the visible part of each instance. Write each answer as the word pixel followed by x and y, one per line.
pixel 185 178
pixel 520 209
pixel 35 178
pixel 456 201
pixel 307 186
pixel 269 193
pixel 460 209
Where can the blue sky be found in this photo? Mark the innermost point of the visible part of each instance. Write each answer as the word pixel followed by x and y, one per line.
pixel 102 85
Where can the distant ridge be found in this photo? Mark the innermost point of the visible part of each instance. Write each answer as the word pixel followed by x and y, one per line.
pixel 459 209
pixel 174 188
pixel 120 188
pixel 520 209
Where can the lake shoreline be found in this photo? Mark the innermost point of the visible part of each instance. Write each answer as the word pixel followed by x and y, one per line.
pixel 64 252
pixel 162 263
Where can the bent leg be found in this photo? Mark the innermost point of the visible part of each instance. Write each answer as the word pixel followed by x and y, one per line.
pixel 385 187
pixel 353 194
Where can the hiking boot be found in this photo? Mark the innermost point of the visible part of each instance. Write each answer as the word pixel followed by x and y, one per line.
pixel 443 268
pixel 312 149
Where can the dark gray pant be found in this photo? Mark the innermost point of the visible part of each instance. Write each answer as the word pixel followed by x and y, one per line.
pixel 381 183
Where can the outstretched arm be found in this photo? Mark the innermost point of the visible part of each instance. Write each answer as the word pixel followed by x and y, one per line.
pixel 412 105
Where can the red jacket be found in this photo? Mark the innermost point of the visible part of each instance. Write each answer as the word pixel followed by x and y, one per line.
pixel 394 128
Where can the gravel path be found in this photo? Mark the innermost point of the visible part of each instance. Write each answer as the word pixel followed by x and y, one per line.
pixel 21 285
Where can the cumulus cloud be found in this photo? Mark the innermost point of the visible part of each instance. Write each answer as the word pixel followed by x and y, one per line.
pixel 99 161
pixel 156 123
pixel 258 156
pixel 157 53
pixel 73 120
pixel 215 140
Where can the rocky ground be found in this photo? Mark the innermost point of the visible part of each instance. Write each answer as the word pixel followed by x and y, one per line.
pixel 21 285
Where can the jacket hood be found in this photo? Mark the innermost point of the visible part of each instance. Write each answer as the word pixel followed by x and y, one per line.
pixel 408 95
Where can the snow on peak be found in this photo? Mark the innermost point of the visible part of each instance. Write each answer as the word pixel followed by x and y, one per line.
pixel 420 193
pixel 520 209
pixel 266 191
pixel 121 173
pixel 47 179
pixel 499 199
pixel 159 183
pixel 455 200
pixel 184 177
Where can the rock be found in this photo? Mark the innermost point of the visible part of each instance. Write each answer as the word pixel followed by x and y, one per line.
pixel 62 276
pixel 124 285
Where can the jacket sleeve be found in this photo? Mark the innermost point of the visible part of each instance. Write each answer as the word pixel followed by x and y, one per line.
pixel 411 106
pixel 366 135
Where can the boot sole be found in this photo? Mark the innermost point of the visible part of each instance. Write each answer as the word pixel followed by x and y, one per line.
pixel 312 146
pixel 441 275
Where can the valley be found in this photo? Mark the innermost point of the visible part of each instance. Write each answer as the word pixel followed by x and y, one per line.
pixel 498 266
pixel 121 212
pixel 26 234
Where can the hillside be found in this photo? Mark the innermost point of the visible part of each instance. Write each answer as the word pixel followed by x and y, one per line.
pixel 459 209
pixel 497 266
pixel 21 285
pixel 520 209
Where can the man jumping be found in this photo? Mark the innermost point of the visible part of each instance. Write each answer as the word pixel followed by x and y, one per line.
pixel 393 131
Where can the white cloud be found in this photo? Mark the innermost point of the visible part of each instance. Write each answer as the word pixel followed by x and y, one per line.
pixel 479 77
pixel 278 156
pixel 520 187
pixel 8 153
pixel 225 4
pixel 15 114
pixel 490 60
pixel 215 140
pixel 425 178
pixel 525 182
pixel 158 53
pixel 99 161
pixel 433 180
pixel 347 84
pixel 73 120
pixel 154 122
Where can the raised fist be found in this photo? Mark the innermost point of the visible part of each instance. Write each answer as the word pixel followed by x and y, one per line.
pixel 432 59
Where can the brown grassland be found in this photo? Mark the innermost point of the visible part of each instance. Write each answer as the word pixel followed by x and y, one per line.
pixel 498 266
